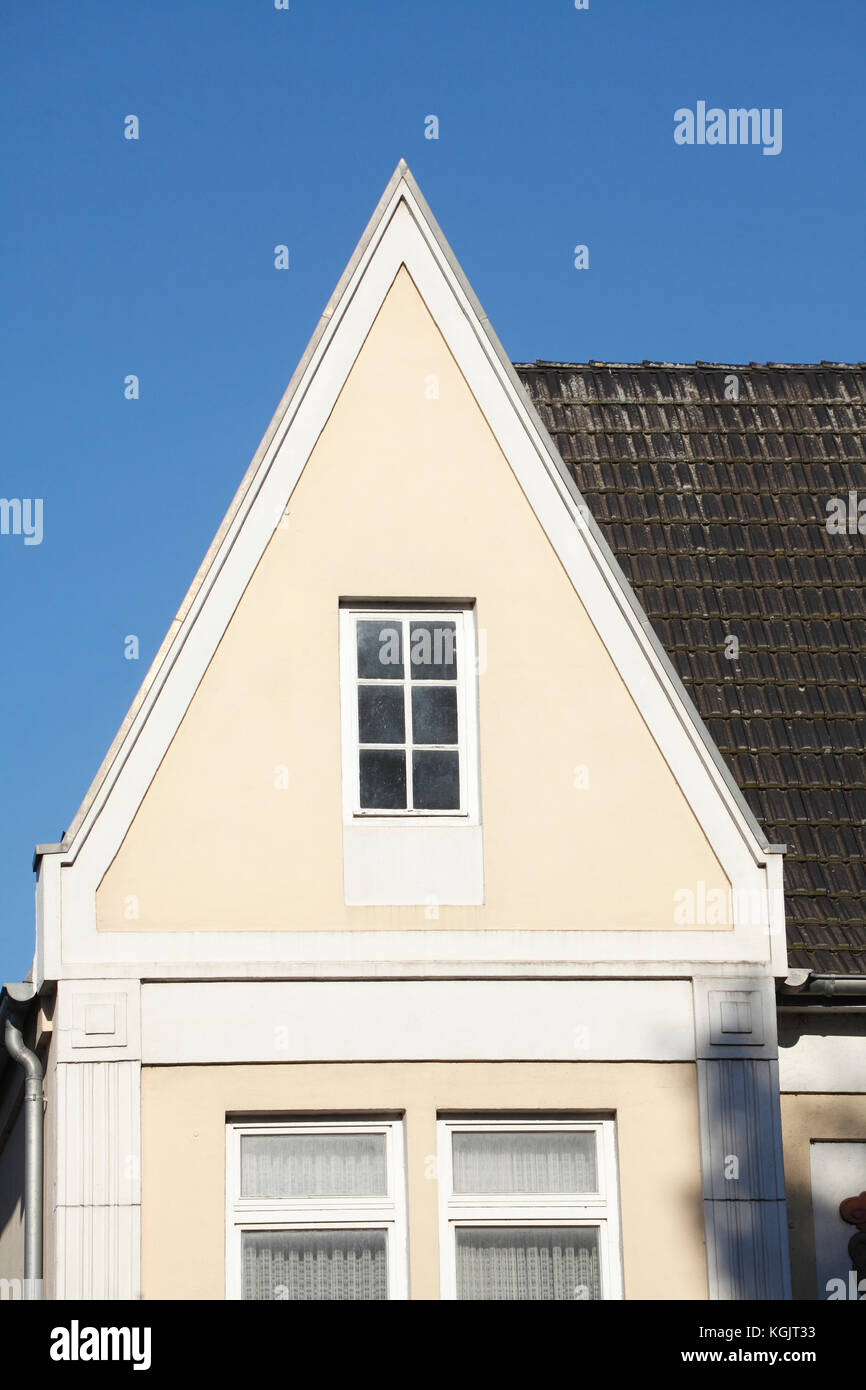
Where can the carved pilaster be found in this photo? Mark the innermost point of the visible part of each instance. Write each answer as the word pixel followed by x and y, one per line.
pixel 741 1141
pixel 97 1138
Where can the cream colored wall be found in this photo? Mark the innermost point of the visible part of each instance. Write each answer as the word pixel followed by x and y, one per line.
pixel 183 1155
pixel 807 1116
pixel 408 497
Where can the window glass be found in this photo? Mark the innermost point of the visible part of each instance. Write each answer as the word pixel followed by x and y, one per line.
pixel 380 650
pixel 433 651
pixel 308 1266
pixel 381 714
pixel 434 713
pixel 537 1161
pixel 383 780
pixel 555 1263
pixel 435 781
pixel 313 1165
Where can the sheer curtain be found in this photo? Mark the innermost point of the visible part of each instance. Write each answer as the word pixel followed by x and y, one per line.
pixel 515 1161
pixel 528 1263
pixel 313 1165
pixel 315 1265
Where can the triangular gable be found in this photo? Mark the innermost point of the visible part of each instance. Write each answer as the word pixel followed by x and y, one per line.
pixel 403 232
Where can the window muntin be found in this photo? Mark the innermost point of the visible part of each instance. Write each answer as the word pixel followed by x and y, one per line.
pixel 409 712
pixel 529 1209
pixel 315 1210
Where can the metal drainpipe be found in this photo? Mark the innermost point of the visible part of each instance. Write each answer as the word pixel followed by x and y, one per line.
pixel 804 988
pixel 33 1127
pixel 837 985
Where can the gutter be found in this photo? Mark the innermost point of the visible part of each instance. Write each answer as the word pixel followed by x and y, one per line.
pixel 15 1002
pixel 803 991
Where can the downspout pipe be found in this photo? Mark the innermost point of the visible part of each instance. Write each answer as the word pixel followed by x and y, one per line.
pixel 33 1144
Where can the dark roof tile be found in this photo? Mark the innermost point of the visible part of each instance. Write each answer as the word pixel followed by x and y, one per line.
pixel 716 510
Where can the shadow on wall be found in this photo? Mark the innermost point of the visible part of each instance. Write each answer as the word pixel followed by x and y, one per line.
pixel 735 1201
pixel 11 1196
pixel 742 1188
pixel 825 1163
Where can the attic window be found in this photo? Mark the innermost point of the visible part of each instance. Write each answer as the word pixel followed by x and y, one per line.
pixel 405 701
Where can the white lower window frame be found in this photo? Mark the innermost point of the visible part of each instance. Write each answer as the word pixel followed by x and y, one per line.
pixel 599 1210
pixel 386 1213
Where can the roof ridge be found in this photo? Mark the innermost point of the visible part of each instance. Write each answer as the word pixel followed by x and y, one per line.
pixel 698 363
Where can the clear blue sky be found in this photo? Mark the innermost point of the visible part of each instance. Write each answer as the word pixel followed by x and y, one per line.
pixel 260 127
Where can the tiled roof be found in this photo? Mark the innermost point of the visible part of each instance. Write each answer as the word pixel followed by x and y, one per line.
pixel 716 509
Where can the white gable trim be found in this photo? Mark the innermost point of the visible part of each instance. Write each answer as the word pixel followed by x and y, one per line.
pixel 403 232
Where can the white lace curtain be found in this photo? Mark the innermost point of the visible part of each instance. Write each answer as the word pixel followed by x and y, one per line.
pixel 317 1266
pixel 313 1165
pixel 529 1263
pixel 542 1161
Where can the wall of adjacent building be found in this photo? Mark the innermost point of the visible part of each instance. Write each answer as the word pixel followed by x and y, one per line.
pixel 12 1182
pixel 809 1120
pixel 822 1064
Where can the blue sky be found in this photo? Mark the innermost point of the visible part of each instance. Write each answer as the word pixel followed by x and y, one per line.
pixel 260 127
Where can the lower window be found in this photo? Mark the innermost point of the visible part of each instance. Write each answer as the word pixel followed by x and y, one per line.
pixel 315 1264
pixel 529 1209
pixel 316 1211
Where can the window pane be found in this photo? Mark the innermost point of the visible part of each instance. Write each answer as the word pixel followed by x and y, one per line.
pixel 383 780
pixel 313 1165
pixel 532 1262
pixel 315 1265
pixel 381 714
pixel 380 650
pixel 433 651
pixel 434 713
pixel 436 781
pixel 525 1162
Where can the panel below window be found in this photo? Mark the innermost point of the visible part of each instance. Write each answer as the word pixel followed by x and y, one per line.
pixel 555 1263
pixel 308 1266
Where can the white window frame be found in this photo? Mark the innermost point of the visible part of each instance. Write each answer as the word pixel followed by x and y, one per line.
pixel 499 1209
pixel 386 1213
pixel 463 617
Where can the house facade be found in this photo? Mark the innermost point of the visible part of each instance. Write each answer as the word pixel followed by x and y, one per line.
pixel 415 939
